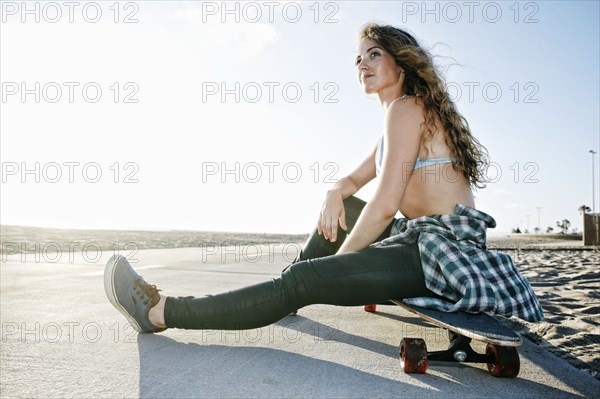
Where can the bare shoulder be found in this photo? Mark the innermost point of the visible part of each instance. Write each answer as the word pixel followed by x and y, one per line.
pixel 406 111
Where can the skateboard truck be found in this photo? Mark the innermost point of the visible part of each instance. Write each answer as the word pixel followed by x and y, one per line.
pixel 460 350
pixel 500 355
pixel 502 361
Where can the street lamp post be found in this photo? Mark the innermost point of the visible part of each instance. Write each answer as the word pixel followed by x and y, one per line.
pixel 593 183
pixel 538 209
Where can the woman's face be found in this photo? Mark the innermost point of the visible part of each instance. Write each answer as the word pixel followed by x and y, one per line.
pixel 377 68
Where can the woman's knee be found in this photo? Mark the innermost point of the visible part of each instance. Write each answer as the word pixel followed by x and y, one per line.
pixel 298 272
pixel 353 202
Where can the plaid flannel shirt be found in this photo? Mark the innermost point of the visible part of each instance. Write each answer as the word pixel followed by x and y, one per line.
pixel 458 266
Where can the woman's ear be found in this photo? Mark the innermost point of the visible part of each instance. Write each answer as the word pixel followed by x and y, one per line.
pixel 400 71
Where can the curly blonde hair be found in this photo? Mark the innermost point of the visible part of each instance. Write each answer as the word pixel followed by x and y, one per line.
pixel 423 79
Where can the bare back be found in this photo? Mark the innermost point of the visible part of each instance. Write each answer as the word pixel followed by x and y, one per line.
pixel 435 189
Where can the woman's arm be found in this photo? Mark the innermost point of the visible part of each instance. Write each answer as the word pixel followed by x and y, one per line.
pixel 333 212
pixel 403 139
pixel 358 178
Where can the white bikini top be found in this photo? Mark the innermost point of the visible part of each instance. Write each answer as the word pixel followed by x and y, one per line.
pixel 420 163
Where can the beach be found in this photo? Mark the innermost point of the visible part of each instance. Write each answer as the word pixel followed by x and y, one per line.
pixel 564 274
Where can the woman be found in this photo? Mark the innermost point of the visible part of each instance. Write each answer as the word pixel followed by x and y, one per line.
pixel 427 162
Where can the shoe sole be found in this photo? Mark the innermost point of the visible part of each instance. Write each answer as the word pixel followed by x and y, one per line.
pixel 109 288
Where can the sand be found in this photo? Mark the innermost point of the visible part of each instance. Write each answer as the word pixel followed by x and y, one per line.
pixel 35 240
pixel 564 274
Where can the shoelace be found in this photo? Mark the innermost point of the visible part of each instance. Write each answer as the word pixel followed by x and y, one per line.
pixel 150 290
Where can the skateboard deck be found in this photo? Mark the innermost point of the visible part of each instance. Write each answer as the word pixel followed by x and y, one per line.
pixel 501 354
pixel 481 327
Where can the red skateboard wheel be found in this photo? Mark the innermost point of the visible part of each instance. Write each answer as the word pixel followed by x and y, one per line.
pixel 370 308
pixel 413 355
pixel 506 361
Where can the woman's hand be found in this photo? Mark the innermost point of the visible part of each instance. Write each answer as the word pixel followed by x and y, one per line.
pixel 332 213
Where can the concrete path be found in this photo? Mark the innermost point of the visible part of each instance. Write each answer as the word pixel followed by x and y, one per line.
pixel 62 338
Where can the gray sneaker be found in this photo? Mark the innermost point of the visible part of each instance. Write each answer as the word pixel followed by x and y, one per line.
pixel 130 294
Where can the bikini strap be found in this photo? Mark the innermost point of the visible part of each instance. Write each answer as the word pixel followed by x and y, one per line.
pixel 400 98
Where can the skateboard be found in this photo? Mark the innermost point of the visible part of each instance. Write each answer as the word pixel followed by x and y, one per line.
pixel 501 354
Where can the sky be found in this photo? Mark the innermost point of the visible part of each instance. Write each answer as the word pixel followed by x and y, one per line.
pixel 239 116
